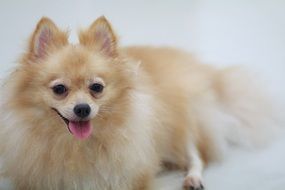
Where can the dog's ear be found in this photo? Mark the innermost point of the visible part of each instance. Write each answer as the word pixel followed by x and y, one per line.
pixel 46 37
pixel 100 37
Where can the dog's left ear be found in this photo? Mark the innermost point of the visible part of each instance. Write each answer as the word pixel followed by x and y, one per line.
pixel 45 38
pixel 100 36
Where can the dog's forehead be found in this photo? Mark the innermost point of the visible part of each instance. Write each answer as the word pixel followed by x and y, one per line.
pixel 78 63
pixel 76 57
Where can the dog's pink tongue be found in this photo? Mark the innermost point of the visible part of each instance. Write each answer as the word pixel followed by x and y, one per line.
pixel 80 129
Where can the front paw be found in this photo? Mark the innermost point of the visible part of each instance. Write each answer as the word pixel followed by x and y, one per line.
pixel 192 182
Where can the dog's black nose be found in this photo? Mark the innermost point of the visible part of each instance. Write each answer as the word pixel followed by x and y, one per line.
pixel 82 110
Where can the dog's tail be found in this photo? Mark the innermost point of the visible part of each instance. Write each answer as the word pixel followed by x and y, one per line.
pixel 257 114
pixel 238 113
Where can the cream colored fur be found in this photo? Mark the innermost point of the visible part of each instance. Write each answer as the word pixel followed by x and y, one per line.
pixel 159 106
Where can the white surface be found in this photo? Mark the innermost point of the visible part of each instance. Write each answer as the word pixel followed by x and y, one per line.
pixel 249 32
pixel 261 170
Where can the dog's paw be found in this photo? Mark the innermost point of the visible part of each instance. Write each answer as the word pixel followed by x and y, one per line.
pixel 193 182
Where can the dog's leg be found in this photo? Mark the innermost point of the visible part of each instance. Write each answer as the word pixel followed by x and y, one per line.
pixel 144 182
pixel 193 179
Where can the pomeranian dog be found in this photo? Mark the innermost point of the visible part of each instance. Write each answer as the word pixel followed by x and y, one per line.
pixel 96 116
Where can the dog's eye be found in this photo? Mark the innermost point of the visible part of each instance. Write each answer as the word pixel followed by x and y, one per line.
pixel 96 87
pixel 59 89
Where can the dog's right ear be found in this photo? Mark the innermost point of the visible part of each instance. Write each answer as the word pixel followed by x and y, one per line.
pixel 45 38
pixel 100 36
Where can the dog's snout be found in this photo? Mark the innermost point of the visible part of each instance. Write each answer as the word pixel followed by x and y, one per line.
pixel 82 110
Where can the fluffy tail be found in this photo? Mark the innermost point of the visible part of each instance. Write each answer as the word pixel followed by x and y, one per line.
pixel 257 115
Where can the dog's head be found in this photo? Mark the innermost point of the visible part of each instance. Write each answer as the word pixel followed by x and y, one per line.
pixel 73 85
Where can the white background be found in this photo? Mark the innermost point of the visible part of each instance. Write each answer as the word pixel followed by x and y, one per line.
pixel 221 32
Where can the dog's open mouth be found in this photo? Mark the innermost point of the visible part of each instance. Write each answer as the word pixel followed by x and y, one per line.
pixel 80 129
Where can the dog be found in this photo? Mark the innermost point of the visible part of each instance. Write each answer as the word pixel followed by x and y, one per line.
pixel 95 115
